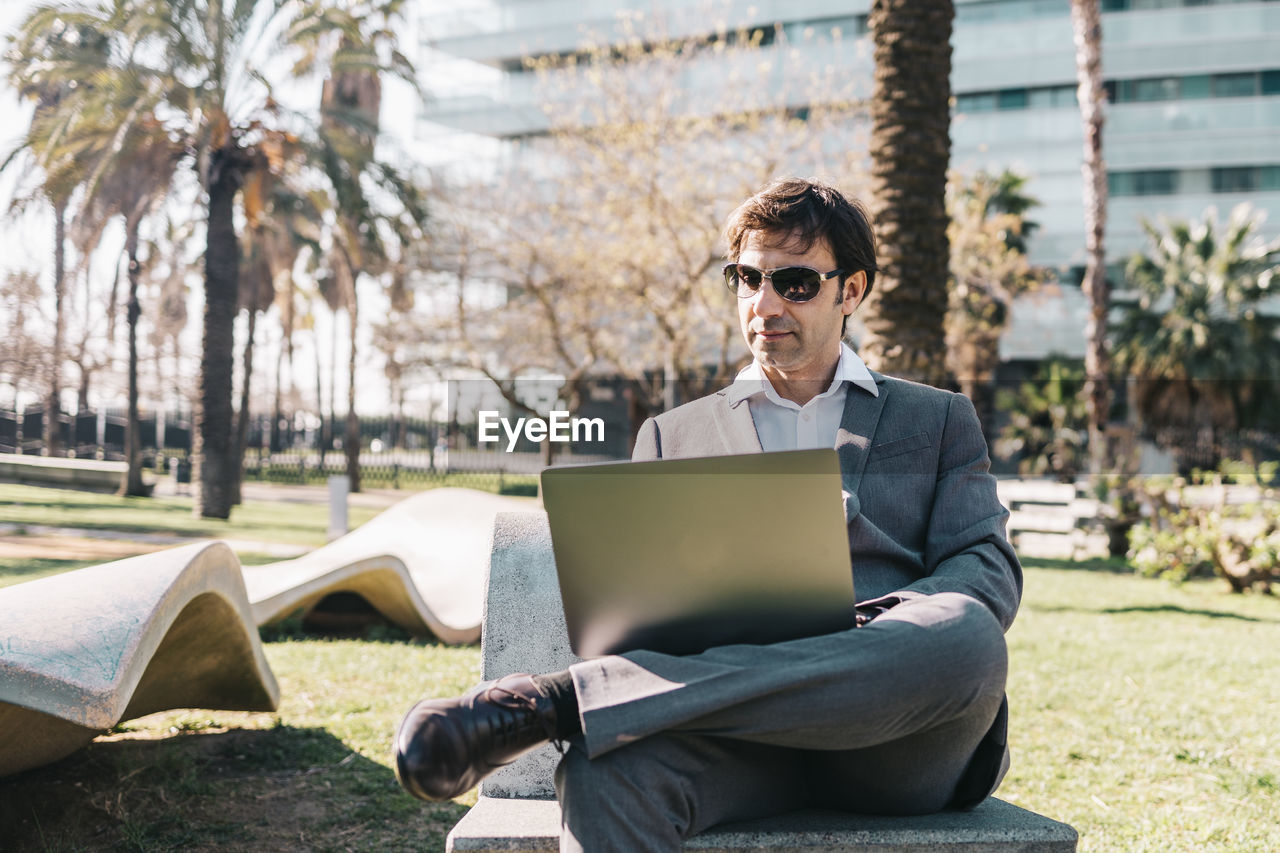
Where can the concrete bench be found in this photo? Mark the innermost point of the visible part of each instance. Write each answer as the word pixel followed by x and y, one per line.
pixel 524 631
pixel 84 650
pixel 89 474
pixel 1048 519
pixel 420 564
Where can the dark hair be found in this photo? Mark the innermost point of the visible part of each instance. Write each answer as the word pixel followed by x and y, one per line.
pixel 804 212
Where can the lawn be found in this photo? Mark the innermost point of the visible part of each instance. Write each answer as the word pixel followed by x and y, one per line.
pixel 1142 713
pixel 276 521
pixel 26 509
pixel 1145 714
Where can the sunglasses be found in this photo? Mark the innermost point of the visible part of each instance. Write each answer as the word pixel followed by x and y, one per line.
pixel 794 284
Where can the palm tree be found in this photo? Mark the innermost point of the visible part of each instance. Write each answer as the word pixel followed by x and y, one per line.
pixel 198 62
pixel 363 232
pixel 1086 23
pixel 134 161
pixel 49 57
pixel 988 270
pixel 910 149
pixel 1202 348
pixel 278 221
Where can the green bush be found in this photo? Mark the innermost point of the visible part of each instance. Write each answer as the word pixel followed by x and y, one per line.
pixel 1047 424
pixel 1191 529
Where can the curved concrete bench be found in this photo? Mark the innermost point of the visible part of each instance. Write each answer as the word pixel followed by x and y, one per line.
pixel 84 650
pixel 81 651
pixel 421 564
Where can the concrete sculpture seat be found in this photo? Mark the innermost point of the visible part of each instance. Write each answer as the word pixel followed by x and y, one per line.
pixel 84 650
pixel 524 631
pixel 421 564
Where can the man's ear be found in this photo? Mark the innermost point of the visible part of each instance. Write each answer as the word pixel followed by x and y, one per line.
pixel 854 288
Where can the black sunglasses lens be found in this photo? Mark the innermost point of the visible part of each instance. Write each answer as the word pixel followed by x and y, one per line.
pixel 796 284
pixel 742 277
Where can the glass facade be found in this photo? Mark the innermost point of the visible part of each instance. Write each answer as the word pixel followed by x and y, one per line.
pixel 1192 90
pixel 1143 182
pixel 1237 84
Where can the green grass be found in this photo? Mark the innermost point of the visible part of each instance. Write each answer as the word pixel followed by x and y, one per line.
pixel 19 569
pixel 1144 714
pixel 314 775
pixel 294 523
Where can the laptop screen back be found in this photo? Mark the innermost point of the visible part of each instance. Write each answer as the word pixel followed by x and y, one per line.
pixel 681 555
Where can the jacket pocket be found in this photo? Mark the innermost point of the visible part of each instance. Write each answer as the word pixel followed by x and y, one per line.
pixel 899 446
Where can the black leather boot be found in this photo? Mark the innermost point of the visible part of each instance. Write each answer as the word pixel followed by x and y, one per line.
pixel 446 746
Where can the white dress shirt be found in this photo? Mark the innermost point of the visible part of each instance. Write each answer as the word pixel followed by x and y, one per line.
pixel 785 425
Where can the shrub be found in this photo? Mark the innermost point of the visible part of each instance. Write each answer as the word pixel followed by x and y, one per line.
pixel 1199 527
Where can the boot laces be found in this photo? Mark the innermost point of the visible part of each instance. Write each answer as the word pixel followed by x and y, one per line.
pixel 523 708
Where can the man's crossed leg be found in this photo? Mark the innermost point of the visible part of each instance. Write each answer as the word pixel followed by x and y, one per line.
pixel 880 719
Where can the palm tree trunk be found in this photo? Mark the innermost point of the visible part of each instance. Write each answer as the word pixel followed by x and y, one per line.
pixel 213 449
pixel 274 439
pixel 333 377
pixel 322 434
pixel 910 150
pixel 1086 22
pixel 242 416
pixel 132 484
pixel 351 444
pixel 53 405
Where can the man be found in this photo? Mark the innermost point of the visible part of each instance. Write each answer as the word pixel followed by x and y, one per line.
pixel 903 714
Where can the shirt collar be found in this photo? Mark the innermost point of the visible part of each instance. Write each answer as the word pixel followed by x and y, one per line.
pixel 849 368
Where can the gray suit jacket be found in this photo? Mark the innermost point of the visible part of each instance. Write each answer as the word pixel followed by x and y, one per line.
pixel 922 509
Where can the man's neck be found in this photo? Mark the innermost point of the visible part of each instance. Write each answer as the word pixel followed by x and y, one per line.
pixel 800 388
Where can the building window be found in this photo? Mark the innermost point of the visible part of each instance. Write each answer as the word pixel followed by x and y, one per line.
pixel 976 102
pixel 1235 179
pixel 1157 89
pixel 1235 85
pixel 1011 99
pixel 1052 97
pixel 1196 86
pixel 1143 5
pixel 1245 179
pixel 1144 182
pixel 1142 90
pixel 823 29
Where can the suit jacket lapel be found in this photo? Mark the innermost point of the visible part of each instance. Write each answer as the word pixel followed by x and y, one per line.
pixel 853 439
pixel 737 430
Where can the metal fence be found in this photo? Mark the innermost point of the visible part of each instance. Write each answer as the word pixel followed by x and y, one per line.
pixel 431 453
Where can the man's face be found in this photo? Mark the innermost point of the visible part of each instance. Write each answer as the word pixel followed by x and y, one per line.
pixel 795 341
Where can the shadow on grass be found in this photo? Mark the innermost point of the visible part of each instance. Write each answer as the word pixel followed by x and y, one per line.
pixel 1156 610
pixel 342 615
pixel 1186 611
pixel 236 790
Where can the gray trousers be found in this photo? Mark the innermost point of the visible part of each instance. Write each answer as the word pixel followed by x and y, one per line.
pixel 881 719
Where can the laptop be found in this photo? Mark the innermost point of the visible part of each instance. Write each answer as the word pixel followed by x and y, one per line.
pixel 679 555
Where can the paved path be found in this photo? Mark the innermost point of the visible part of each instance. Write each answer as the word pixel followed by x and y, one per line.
pixel 376 498
pixel 16 534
